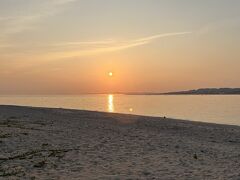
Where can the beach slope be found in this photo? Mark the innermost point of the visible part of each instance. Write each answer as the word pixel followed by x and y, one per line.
pixel 43 143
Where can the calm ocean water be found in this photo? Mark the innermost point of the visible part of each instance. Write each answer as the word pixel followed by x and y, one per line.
pixel 215 109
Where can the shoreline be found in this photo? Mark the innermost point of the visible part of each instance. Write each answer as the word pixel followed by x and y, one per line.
pixel 40 143
pixel 123 114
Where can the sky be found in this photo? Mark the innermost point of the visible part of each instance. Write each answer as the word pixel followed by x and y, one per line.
pixel 70 46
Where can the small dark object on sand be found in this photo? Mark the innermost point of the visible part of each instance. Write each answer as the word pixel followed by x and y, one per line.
pixel 195 156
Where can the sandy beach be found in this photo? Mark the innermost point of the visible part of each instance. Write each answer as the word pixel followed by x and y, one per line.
pixel 43 143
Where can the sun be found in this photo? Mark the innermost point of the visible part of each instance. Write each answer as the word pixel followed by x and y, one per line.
pixel 110 74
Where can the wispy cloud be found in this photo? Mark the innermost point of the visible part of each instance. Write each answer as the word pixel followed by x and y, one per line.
pixel 111 42
pixel 151 38
pixel 14 24
pixel 84 43
pixel 94 47
pixel 64 50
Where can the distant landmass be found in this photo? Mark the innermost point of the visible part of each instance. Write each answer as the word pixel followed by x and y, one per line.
pixel 209 91
pixel 203 91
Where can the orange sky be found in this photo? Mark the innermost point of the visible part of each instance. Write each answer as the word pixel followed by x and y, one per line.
pixel 70 46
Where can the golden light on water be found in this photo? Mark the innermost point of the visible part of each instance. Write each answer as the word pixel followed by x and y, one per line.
pixel 110 103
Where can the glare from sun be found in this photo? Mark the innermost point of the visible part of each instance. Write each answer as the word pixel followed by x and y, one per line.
pixel 110 74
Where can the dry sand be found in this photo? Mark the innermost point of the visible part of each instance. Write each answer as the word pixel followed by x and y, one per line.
pixel 41 143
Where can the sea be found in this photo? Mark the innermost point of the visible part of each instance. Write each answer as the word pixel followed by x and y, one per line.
pixel 220 109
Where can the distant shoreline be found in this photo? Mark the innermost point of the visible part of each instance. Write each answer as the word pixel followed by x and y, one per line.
pixel 172 94
pixel 204 91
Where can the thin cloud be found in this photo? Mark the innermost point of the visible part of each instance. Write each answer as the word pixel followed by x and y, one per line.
pixel 105 46
pixel 88 48
pixel 150 38
pixel 135 42
pixel 16 24
pixel 81 43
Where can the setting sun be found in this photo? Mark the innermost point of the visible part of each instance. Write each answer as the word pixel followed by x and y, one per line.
pixel 110 74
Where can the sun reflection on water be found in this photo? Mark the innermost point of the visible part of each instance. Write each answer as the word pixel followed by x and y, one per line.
pixel 110 103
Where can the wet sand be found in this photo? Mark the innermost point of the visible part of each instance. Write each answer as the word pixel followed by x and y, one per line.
pixel 43 143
